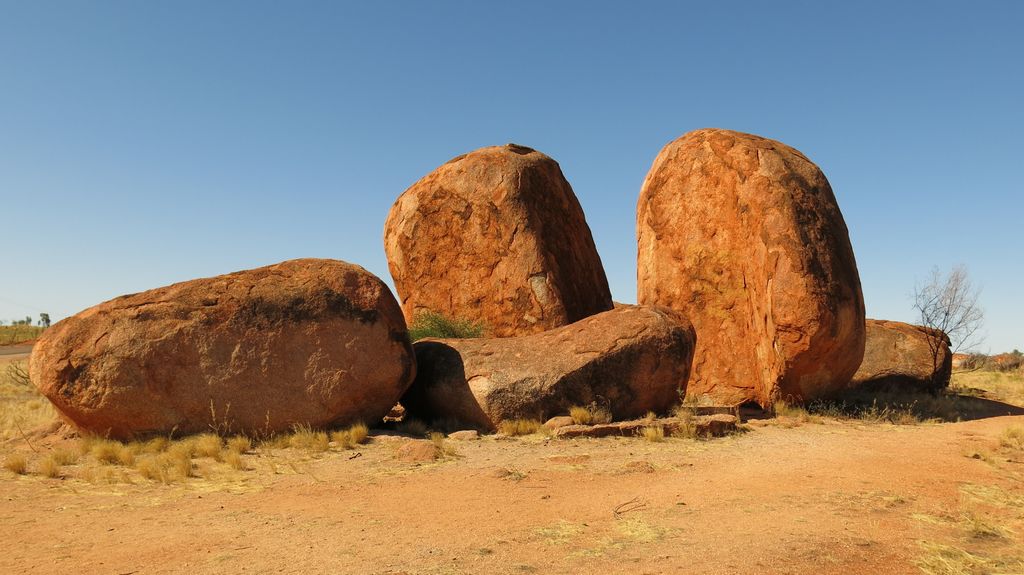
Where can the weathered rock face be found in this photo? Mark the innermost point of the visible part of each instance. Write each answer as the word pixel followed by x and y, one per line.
pixel 632 359
pixel 496 236
pixel 308 341
pixel 743 236
pixel 900 356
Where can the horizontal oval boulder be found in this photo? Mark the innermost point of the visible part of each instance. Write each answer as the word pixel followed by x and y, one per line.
pixel 304 342
pixel 901 356
pixel 495 237
pixel 632 360
pixel 743 236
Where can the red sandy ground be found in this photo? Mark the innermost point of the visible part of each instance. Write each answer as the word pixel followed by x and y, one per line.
pixel 833 498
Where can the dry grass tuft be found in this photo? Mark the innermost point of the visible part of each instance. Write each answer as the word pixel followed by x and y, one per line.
pixel 239 444
pixel 653 433
pixel 209 445
pixel 1012 438
pixel 170 467
pixel 939 559
pixel 590 415
pixel 359 433
pixel 349 438
pixel 64 457
pixel 305 438
pixel 580 415
pixel 515 427
pixel 443 447
pixel 686 429
pixel 16 463
pixel 50 467
pixel 110 452
pixel 235 460
pixel 981 527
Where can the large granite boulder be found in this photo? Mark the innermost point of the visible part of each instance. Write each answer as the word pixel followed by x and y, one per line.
pixel 900 356
pixel 742 235
pixel 312 342
pixel 496 237
pixel 632 360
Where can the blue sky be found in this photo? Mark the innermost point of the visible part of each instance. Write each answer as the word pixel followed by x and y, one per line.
pixel 143 143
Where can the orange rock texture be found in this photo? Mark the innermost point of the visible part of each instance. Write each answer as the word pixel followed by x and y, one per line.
pixel 310 341
pixel 901 356
pixel 743 236
pixel 497 237
pixel 632 360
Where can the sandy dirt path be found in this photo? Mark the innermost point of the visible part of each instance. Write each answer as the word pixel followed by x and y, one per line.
pixel 826 498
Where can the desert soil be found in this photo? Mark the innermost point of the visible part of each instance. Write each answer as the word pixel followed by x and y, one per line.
pixel 833 497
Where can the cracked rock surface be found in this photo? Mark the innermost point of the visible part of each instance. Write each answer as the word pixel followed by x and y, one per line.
pixel 496 236
pixel 743 236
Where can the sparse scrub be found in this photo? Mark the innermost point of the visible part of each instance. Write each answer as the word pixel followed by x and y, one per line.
pixel 17 373
pixel 173 466
pixel 432 324
pixel 516 427
pixel 443 447
pixel 939 559
pixel 17 333
pixel 981 527
pixel 16 463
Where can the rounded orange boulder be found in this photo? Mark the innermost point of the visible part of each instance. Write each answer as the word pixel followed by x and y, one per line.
pixel 743 236
pixel 304 342
pixel 496 237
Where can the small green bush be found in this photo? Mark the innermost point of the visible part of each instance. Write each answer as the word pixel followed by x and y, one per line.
pixel 432 324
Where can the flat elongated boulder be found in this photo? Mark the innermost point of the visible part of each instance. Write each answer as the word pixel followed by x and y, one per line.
pixel 742 235
pixel 901 356
pixel 313 342
pixel 633 359
pixel 496 237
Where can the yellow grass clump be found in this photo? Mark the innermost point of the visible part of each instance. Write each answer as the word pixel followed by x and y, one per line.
pixel 653 433
pixel 239 444
pixel 16 463
pixel 50 467
pixel 349 438
pixel 590 415
pixel 209 445
pixel 516 427
pixel 305 438
pixel 110 452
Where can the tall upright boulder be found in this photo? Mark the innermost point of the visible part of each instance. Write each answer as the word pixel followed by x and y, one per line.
pixel 743 236
pixel 497 237
pixel 904 357
pixel 311 342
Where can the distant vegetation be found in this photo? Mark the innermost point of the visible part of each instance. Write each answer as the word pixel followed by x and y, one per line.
pixel 17 333
pixel 432 324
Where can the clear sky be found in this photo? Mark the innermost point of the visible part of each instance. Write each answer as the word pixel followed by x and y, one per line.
pixel 143 143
